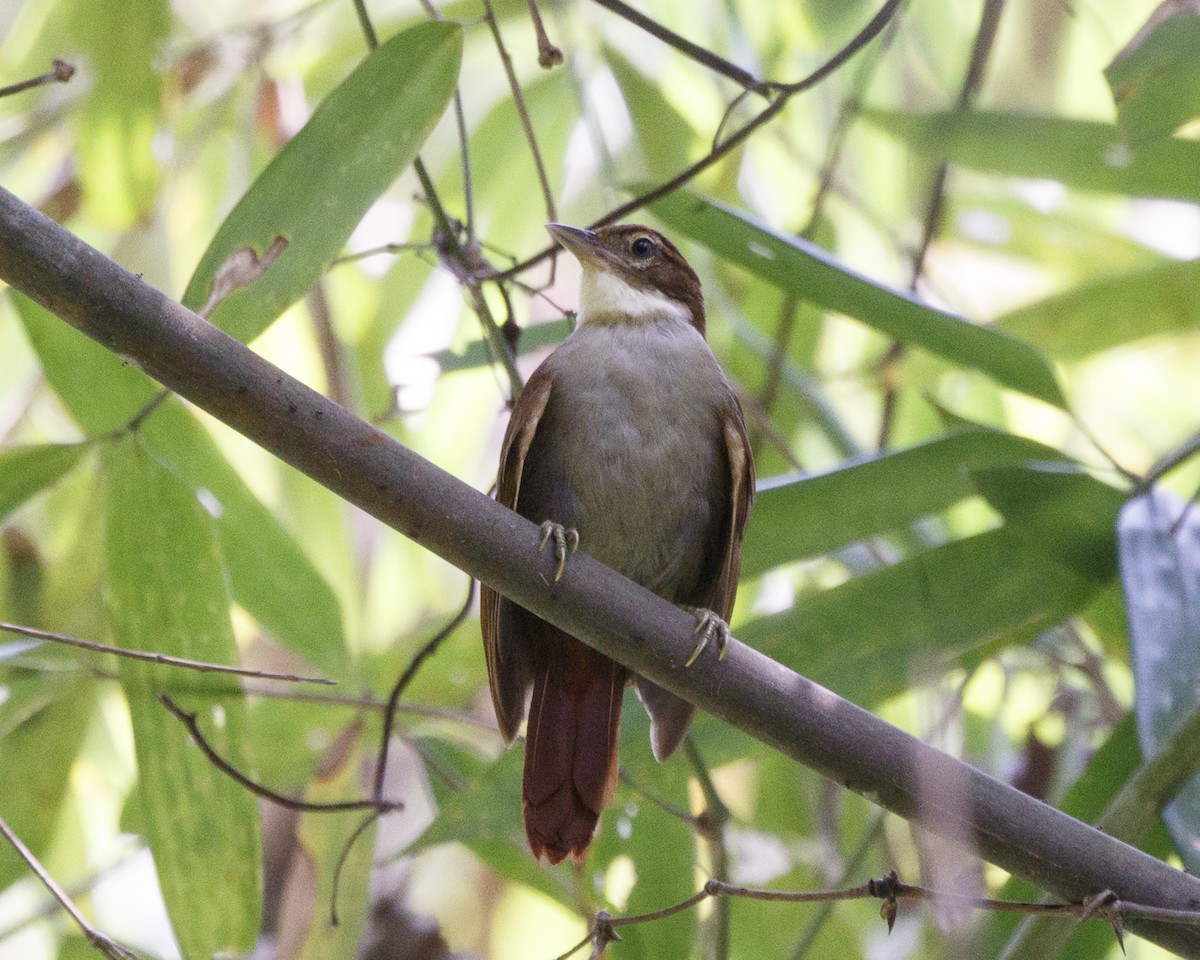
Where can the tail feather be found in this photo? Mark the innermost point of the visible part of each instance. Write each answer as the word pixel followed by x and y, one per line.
pixel 570 748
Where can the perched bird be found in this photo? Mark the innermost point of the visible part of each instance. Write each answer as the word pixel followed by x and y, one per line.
pixel 629 442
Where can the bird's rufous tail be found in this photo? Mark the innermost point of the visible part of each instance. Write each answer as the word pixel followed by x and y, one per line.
pixel 570 747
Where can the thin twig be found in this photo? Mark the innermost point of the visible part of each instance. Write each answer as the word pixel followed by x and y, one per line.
pixel 672 809
pixel 985 36
pixel 702 56
pixel 1168 462
pixel 522 112
pixel 288 803
pixel 389 710
pixel 787 91
pixel 102 942
pixel 358 831
pixel 448 245
pixel 332 356
pixel 364 21
pixel 713 821
pixel 160 658
pixel 548 54
pixel 60 72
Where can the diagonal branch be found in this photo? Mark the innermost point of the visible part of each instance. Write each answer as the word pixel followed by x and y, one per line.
pixel 628 623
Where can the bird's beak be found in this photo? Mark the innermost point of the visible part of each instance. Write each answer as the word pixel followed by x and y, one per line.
pixel 582 243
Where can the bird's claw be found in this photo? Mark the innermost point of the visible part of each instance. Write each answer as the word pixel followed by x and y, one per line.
pixel 708 627
pixel 566 540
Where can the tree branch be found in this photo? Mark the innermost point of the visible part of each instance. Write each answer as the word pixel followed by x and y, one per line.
pixel 628 623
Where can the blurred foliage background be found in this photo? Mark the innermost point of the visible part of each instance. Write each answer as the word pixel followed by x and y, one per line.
pixel 960 305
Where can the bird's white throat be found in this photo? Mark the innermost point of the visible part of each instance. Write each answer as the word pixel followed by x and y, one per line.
pixel 603 292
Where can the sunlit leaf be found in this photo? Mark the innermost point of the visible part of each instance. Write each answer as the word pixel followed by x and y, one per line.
pixel 321 840
pixel 269 573
pixel 167 593
pixel 799 517
pixel 26 470
pixel 1060 510
pixel 318 187
pixel 861 638
pixel 36 759
pixel 1159 538
pixel 1079 153
pixel 1155 79
pixel 118 122
pixel 812 274
pixel 1111 311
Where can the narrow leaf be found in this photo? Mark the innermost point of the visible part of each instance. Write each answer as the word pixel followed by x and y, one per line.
pixel 806 270
pixel 1155 79
pixel 270 575
pixel 1060 510
pixel 316 190
pixel 795 518
pixel 858 638
pixel 1159 537
pixel 1111 311
pixel 167 593
pixel 26 470
pixel 1079 153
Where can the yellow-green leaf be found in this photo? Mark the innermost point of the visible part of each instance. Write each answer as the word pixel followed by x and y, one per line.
pixel 318 187
pixel 167 593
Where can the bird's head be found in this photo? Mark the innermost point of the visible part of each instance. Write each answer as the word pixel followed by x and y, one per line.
pixel 632 274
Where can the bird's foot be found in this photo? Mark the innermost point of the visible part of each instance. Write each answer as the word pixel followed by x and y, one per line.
pixel 709 627
pixel 566 540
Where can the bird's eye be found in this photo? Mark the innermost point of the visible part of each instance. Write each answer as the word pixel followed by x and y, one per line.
pixel 642 247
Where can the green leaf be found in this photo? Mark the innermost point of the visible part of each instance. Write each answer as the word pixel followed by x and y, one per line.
pixel 795 518
pixel 1159 537
pixel 36 757
pixel 857 638
pixel 270 575
pixel 1060 510
pixel 662 134
pixel 1155 79
pixel 477 353
pixel 1111 311
pixel 26 470
pixel 318 187
pixel 1079 153
pixel 121 115
pixel 321 841
pixel 167 593
pixel 794 264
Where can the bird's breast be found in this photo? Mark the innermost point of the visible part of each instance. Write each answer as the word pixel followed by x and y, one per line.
pixel 631 449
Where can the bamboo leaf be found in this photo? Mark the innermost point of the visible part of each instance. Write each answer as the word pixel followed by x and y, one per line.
pixel 857 638
pixel 1111 311
pixel 26 470
pixel 806 270
pixel 795 518
pixel 320 184
pixel 1079 153
pixel 270 575
pixel 167 593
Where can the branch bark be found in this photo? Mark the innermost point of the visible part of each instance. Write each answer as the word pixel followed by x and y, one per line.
pixel 463 526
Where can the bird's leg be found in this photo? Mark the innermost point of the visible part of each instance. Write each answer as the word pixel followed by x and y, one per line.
pixel 708 627
pixel 566 540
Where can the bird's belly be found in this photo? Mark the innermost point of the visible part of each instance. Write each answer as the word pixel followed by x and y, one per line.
pixel 643 467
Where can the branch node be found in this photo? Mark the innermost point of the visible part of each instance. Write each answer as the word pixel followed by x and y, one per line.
pixel 603 932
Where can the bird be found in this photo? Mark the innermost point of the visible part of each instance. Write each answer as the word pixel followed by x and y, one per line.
pixel 629 443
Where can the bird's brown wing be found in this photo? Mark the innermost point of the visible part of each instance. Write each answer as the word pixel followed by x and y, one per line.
pixel 671 715
pixel 509 671
pixel 741 499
